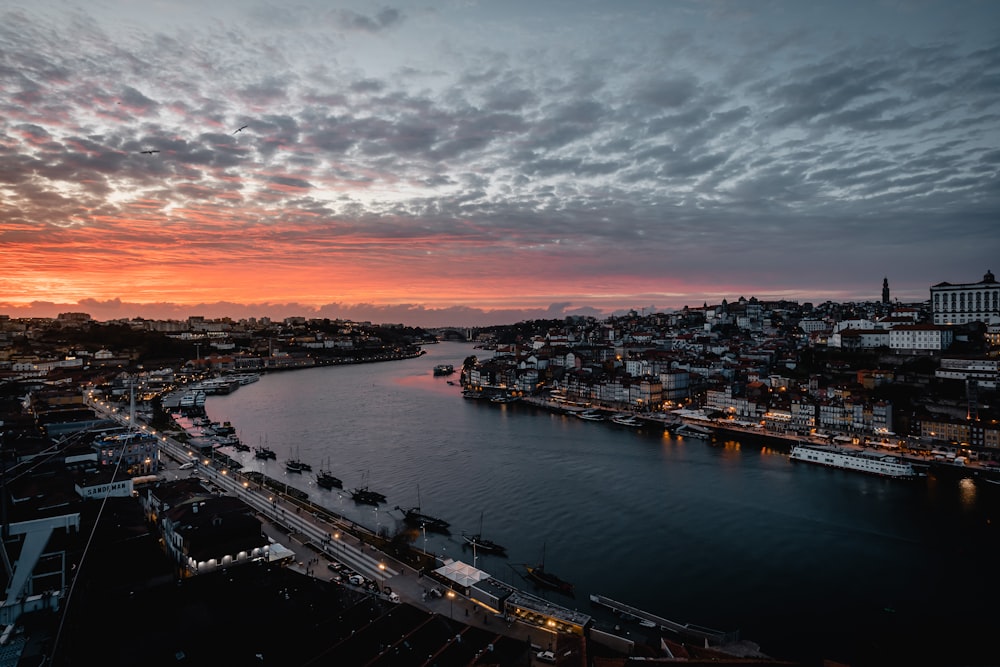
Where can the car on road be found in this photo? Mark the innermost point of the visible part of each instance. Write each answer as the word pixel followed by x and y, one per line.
pixel 186 466
pixel 546 656
pixel 357 580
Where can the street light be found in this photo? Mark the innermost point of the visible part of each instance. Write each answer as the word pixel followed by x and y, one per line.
pixel 451 599
pixel 381 577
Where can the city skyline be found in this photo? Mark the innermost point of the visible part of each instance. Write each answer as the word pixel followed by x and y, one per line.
pixel 465 163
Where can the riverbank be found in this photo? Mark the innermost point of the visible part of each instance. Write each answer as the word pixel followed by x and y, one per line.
pixel 692 529
pixel 924 458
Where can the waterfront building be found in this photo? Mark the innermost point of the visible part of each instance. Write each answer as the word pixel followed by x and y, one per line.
pixel 676 385
pixel 207 534
pixel 104 483
pixel 885 290
pixel 852 416
pixel 982 437
pixel 138 452
pixel 733 405
pixel 967 302
pixel 802 414
pixel 780 421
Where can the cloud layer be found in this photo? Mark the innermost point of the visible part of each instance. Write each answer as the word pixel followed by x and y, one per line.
pixel 496 158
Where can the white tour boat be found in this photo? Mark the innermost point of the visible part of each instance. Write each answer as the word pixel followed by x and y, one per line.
pixel 875 463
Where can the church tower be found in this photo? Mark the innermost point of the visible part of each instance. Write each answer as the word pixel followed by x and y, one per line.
pixel 885 290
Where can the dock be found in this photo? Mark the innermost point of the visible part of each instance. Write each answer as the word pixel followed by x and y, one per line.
pixel 709 636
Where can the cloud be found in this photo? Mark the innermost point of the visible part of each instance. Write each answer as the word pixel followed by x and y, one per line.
pixel 471 159
pixel 384 19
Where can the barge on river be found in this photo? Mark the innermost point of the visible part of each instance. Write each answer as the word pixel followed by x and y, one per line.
pixel 875 463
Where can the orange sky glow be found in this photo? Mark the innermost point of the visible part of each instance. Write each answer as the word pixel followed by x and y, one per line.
pixel 309 159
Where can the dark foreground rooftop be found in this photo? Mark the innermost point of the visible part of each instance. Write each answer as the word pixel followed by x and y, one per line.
pixel 266 615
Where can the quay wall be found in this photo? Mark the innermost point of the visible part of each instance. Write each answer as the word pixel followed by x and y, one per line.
pixel 785 441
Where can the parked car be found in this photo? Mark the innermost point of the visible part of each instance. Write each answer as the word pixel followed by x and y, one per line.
pixel 186 466
pixel 357 579
pixel 546 656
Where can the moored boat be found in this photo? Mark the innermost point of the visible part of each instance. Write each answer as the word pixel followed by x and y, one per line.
pixel 875 463
pixel 624 419
pixel 326 479
pixel 414 518
pixel 693 429
pixel 592 415
pixel 264 453
pixel 364 495
pixel 367 496
pixel 297 464
pixel 480 543
pixel 546 579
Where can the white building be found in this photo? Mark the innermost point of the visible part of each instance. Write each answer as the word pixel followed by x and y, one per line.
pixel 859 339
pixel 920 338
pixel 986 372
pixel 811 326
pixel 972 302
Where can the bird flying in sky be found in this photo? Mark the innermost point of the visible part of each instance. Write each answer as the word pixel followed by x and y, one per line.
pixel 241 129
pixel 149 152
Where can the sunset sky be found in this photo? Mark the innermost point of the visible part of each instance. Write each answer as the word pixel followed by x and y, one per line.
pixel 478 162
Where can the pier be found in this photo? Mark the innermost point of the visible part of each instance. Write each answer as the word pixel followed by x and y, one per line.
pixel 709 636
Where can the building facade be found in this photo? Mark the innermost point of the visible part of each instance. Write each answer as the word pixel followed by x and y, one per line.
pixel 971 302
pixel 919 338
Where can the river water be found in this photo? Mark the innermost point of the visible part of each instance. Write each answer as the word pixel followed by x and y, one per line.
pixel 806 561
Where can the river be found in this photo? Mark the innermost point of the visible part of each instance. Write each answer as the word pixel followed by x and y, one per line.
pixel 806 561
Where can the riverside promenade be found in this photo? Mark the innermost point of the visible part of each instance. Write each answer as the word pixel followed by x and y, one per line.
pixel 317 537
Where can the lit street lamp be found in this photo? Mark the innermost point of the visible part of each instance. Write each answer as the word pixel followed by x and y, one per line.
pixel 451 610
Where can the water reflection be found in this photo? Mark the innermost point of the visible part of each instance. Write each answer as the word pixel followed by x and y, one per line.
pixel 967 493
